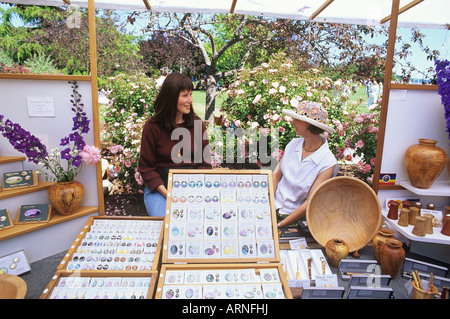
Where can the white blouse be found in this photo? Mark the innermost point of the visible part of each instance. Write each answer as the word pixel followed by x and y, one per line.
pixel 299 175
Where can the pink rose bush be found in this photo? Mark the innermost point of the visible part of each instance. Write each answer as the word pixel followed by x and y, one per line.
pixel 130 105
pixel 258 95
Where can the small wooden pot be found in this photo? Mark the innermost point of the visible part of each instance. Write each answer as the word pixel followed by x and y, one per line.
pixel 336 249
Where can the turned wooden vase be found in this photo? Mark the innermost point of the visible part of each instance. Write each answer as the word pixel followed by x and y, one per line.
pixel 336 249
pixel 393 209
pixel 392 256
pixel 66 197
pixel 424 163
pixel 379 239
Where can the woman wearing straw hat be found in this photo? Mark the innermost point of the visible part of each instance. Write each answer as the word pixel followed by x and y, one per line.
pixel 306 163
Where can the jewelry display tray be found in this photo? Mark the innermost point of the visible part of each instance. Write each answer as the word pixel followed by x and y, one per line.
pixel 259 269
pixel 77 292
pixel 222 264
pixel 126 274
pixel 77 244
pixel 202 250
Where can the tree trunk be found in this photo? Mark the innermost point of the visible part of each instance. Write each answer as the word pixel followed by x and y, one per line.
pixel 210 98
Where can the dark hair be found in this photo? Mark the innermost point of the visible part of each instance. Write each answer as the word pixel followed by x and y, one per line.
pixel 315 130
pixel 166 101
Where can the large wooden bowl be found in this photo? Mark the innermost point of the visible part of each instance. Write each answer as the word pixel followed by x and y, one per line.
pixel 12 287
pixel 345 208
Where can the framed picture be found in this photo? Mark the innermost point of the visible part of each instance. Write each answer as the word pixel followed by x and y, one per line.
pixel 19 179
pixel 35 213
pixel 5 219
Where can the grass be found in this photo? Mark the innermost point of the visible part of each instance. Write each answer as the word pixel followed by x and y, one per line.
pixel 199 98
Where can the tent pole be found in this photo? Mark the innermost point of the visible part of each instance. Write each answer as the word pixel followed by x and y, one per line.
pixel 386 91
pixel 94 91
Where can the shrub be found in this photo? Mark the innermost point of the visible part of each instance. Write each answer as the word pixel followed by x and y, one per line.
pixel 130 105
pixel 257 97
pixel 41 64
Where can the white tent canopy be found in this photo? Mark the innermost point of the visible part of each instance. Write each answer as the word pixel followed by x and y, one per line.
pixel 414 13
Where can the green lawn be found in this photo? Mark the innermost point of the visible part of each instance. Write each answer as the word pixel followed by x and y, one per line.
pixel 200 102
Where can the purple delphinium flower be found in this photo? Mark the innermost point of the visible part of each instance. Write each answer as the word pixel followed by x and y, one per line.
pixel 443 82
pixel 36 152
pixel 23 141
pixel 65 154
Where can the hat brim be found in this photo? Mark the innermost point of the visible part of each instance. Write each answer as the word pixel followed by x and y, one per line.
pixel 296 116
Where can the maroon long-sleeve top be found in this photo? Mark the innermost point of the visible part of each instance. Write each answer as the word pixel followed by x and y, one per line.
pixel 181 148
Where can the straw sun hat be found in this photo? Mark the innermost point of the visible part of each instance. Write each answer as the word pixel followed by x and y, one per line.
pixel 312 113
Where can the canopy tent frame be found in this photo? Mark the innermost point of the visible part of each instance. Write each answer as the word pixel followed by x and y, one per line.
pixel 392 18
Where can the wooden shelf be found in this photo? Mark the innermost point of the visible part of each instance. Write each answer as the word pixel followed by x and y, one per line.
pixel 438 188
pixel 435 238
pixel 21 191
pixel 51 77
pixel 56 218
pixel 389 187
pixel 11 159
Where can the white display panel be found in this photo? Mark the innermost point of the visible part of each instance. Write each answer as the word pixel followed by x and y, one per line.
pixel 412 114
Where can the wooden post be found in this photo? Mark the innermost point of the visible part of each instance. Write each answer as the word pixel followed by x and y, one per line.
pixel 386 92
pixel 95 111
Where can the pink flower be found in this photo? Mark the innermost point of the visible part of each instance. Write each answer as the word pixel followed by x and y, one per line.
pixel 360 144
pixel 90 154
pixel 116 148
pixel 373 129
pixel 277 154
pixel 138 178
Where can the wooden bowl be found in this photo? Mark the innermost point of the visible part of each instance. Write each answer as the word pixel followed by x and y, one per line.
pixel 346 208
pixel 12 287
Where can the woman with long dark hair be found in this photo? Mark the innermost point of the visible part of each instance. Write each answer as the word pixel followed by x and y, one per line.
pixel 174 137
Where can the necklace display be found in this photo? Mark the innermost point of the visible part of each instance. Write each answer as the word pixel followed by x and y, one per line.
pixel 314 149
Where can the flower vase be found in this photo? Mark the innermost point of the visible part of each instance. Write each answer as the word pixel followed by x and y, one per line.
pixel 424 163
pixel 336 249
pixel 66 197
pixel 379 239
pixel 392 256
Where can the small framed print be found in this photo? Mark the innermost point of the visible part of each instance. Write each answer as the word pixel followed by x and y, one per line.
pixel 35 213
pixel 388 178
pixel 19 179
pixel 5 219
